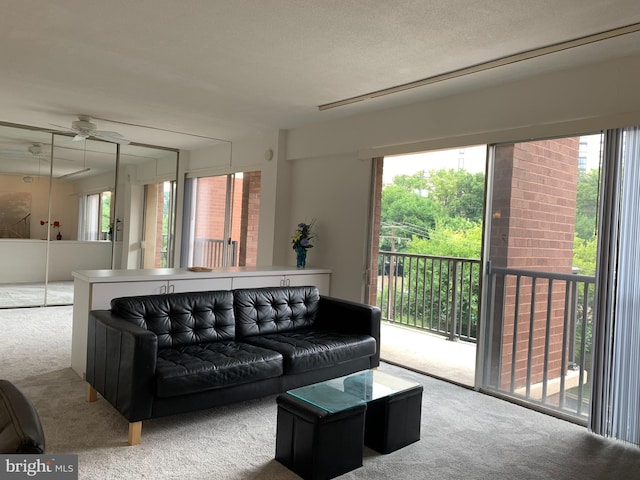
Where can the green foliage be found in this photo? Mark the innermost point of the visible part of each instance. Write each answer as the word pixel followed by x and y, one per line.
pixel 448 242
pixel 587 204
pixel 403 207
pixel 459 192
pixel 418 205
pixel 584 255
pixel 105 220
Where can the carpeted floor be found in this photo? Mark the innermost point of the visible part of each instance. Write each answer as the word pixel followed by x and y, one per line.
pixel 465 434
pixel 33 294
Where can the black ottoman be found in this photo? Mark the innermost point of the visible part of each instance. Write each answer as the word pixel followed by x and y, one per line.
pixel 317 444
pixel 394 422
pixel 20 428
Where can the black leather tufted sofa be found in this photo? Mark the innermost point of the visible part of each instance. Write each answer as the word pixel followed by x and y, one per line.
pixel 157 355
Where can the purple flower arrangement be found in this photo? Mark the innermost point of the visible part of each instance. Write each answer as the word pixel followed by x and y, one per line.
pixel 302 237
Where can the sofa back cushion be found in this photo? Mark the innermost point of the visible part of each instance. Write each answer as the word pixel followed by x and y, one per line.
pixel 180 319
pixel 260 311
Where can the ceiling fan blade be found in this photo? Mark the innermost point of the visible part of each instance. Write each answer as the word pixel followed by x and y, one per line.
pixel 117 138
pixel 108 134
pixel 90 131
pixel 62 127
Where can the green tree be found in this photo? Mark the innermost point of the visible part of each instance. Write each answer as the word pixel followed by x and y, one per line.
pixel 587 204
pixel 106 211
pixel 584 255
pixel 414 204
pixel 458 192
pixel 446 242
pixel 408 212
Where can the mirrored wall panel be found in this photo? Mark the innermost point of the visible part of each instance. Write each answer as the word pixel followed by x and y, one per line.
pixel 145 207
pixel 25 169
pixel 68 203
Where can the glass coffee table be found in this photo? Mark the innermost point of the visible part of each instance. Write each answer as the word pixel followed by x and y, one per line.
pixel 322 427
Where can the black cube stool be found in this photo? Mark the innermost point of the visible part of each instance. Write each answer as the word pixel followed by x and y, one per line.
pixel 317 444
pixel 394 422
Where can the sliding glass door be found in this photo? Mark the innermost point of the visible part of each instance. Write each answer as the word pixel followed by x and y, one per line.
pixel 159 207
pixel 220 222
pixel 540 288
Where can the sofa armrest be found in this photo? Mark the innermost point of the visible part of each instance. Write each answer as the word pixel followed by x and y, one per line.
pixel 121 363
pixel 344 316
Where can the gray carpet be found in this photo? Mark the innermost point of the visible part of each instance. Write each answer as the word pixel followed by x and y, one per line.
pixel 14 295
pixel 465 434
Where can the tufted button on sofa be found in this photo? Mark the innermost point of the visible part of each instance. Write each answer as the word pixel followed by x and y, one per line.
pixel 157 355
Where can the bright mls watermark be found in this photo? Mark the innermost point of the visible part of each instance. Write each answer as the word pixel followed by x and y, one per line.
pixel 52 467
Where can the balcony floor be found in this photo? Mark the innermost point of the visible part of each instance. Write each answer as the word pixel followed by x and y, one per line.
pixel 428 353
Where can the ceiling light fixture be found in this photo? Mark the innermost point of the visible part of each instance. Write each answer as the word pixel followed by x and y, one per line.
pixel 84 164
pixel 500 62
pixel 67 175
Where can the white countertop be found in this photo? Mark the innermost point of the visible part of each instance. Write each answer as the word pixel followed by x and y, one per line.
pixel 106 276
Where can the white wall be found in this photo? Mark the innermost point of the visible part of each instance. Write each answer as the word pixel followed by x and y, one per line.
pixel 333 192
pixel 65 257
pixel 64 208
pixel 24 261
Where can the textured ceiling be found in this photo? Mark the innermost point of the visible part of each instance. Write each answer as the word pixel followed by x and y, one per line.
pixel 218 69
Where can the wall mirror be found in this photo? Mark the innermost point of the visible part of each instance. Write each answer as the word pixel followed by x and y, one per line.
pixel 25 169
pixel 145 205
pixel 85 204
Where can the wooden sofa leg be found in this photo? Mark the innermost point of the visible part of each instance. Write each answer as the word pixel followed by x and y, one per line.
pixel 135 432
pixel 92 394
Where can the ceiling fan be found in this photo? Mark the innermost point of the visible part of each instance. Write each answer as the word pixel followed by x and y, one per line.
pixel 34 149
pixel 83 128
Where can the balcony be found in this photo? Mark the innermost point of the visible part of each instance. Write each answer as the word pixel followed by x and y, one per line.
pixel 538 332
pixel 429 353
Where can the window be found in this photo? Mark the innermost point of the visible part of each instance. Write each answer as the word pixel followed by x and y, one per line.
pixel 582 155
pixel 541 273
pixel 220 226
pixel 159 199
pixel 94 222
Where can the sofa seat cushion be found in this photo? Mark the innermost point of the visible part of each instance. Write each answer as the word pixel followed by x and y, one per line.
pixel 197 368
pixel 310 349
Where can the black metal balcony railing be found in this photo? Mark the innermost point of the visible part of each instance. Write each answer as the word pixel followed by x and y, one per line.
pixel 541 326
pixel 437 294
pixel 539 323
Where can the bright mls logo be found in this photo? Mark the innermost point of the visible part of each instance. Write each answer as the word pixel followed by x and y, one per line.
pixel 53 467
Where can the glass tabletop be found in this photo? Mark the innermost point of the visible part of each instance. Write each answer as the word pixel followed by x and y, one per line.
pixel 345 392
